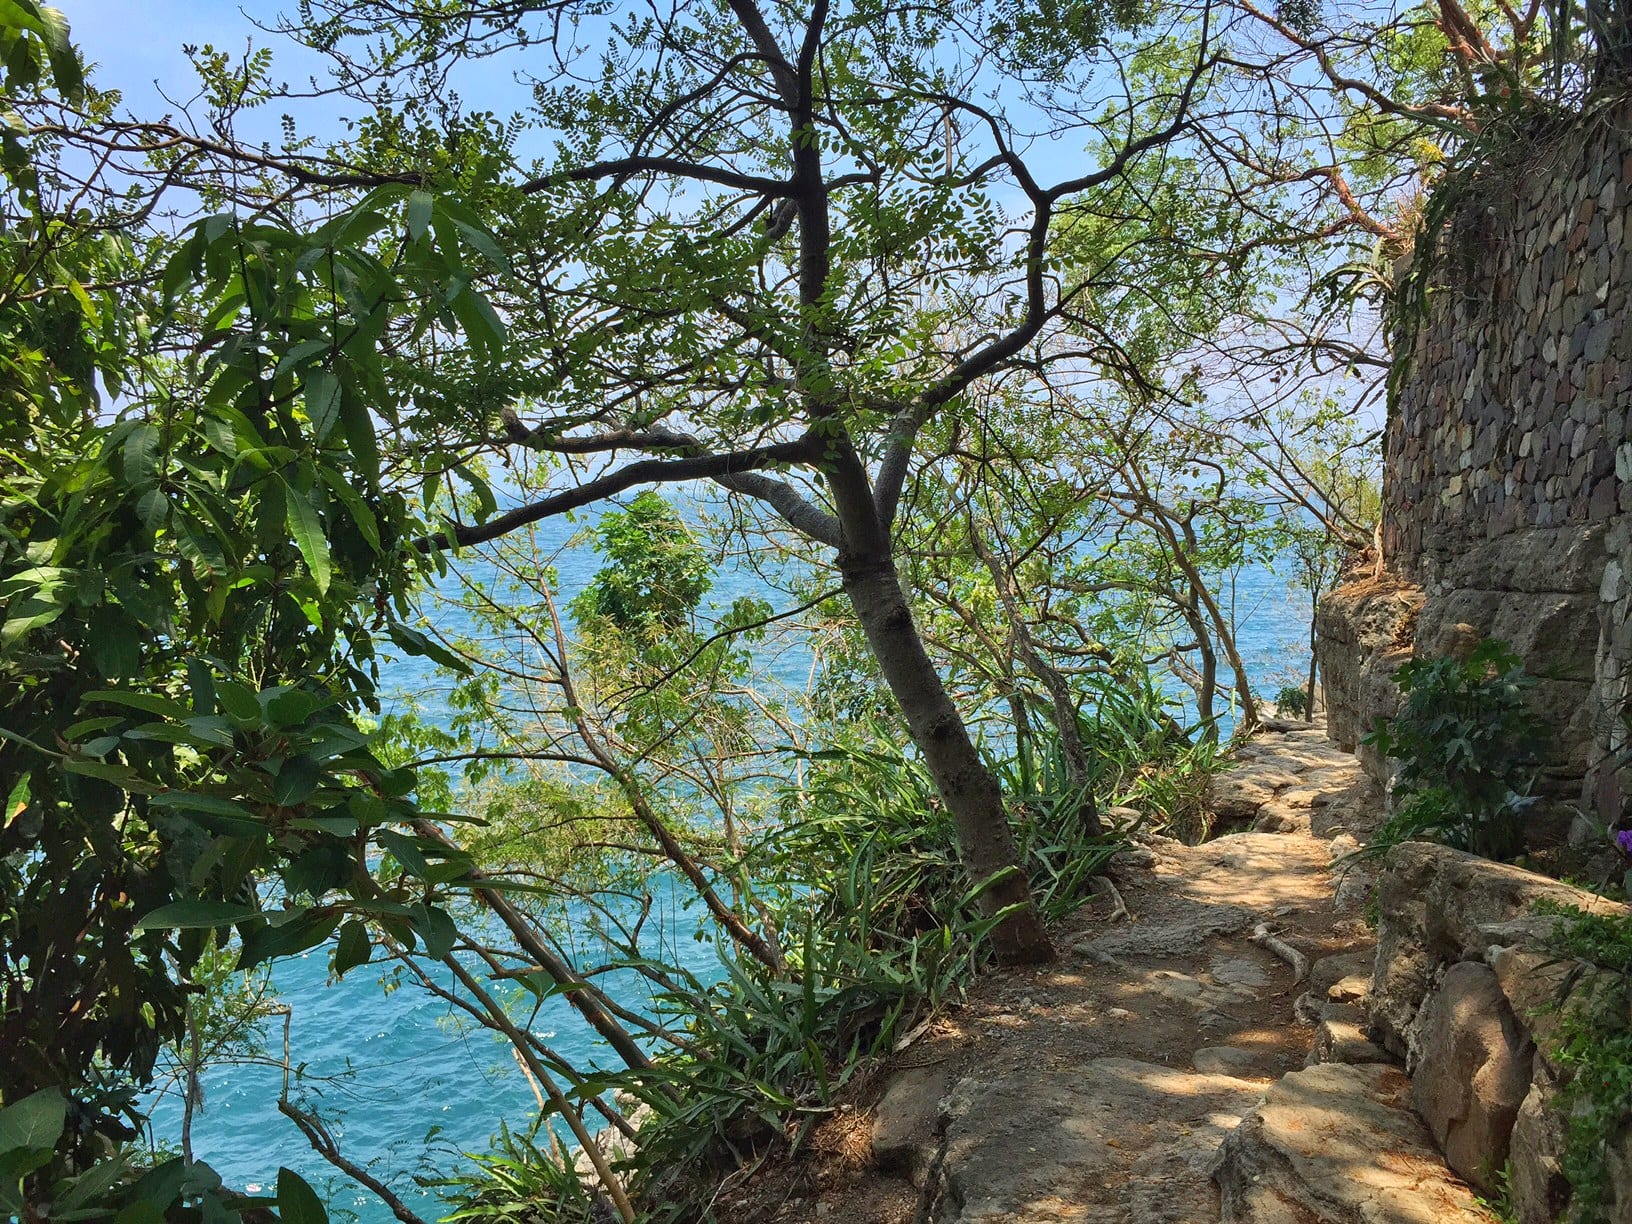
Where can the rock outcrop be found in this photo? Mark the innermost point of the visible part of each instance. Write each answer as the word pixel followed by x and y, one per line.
pixel 1364 631
pixel 1473 1071
pixel 1437 907
pixel 1339 1144
pixel 1469 991
pixel 1021 1148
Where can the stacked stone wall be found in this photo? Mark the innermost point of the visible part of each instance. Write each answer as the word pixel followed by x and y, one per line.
pixel 1519 381
pixel 1508 452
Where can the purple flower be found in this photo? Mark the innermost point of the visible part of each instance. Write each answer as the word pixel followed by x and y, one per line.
pixel 1623 839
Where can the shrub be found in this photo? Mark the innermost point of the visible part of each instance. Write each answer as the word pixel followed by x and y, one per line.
pixel 1592 1043
pixel 1468 746
pixel 1293 701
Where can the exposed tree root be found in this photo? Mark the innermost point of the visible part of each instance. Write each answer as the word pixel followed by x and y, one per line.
pixel 1266 939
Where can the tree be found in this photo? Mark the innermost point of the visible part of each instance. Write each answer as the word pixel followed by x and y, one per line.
pixel 766 240
pixel 194 572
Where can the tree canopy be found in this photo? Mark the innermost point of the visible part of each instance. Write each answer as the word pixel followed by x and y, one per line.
pixel 1016 330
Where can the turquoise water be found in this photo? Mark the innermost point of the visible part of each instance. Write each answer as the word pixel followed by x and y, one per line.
pixel 406 1088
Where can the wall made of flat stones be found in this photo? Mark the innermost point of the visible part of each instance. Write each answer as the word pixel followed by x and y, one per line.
pixel 1508 454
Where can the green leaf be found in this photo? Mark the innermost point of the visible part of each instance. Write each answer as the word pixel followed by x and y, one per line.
pixel 142 455
pixel 363 441
pixel 417 643
pixel 16 801
pixel 34 1123
pixel 291 707
pixel 27 615
pixel 148 703
pixel 336 826
pixel 161 1185
pixel 201 684
pixel 296 931
pixel 322 402
pixel 119 775
pixel 297 1202
pixel 195 915
pixel 114 644
pixel 152 508
pixel 436 929
pixel 201 803
pixel 307 531
pixel 297 779
pixel 483 242
pixel 367 525
pixel 227 816
pixel 240 703
pixel 298 354
pixel 52 28
pixel 420 204
pixel 404 849
pixel 354 949
pixel 90 1186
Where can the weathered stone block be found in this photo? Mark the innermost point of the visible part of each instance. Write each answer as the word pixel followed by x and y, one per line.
pixel 1536 1183
pixel 1436 906
pixel 1472 1071
pixel 1337 1142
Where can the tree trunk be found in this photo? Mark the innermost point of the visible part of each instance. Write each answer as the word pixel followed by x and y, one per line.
pixel 1314 641
pixel 966 786
pixel 1207 673
pixel 1077 771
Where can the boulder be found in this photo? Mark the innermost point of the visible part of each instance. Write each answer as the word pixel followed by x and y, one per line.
pixel 905 1121
pixel 1355 808
pixel 1338 1144
pixel 1229 1060
pixel 1111 1136
pixel 1437 906
pixel 1472 1073
pixel 1344 978
pixel 1540 560
pixel 1340 1037
pixel 1537 1187
pixel 1618 1176
pixel 1534 984
pixel 1363 634
pixel 1237 795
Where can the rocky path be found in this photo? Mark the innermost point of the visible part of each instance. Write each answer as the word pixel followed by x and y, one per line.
pixel 1156 1073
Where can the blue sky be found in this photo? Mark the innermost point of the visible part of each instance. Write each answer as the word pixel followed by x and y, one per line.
pixel 138 41
pixel 135 46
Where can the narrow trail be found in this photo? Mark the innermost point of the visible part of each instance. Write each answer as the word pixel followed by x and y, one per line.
pixel 1103 1088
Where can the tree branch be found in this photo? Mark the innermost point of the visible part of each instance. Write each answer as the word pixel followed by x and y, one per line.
pixel 798 511
pixel 623 167
pixel 324 1145
pixel 645 471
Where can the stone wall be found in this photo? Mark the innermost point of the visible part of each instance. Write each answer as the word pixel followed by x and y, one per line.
pixel 1468 990
pixel 1508 452
pixel 1364 631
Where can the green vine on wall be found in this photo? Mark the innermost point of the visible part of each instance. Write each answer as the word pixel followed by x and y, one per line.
pixel 1593 1046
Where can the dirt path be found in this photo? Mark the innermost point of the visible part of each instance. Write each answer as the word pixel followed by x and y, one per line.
pixel 1100 1089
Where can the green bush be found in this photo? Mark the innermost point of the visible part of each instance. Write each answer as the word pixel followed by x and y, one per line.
pixel 1592 1044
pixel 1293 701
pixel 1468 746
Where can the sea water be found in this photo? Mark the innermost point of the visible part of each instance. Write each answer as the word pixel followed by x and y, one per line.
pixel 406 1082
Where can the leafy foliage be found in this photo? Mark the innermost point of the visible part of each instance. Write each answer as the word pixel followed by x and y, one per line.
pixel 231 455
pixel 1293 700
pixel 1469 745
pixel 1593 1044
pixel 655 575
pixel 192 585
pixel 31 1132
